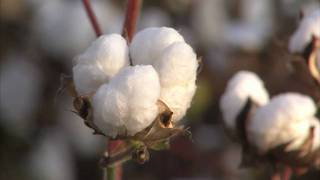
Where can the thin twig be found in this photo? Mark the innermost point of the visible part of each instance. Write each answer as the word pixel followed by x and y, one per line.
pixel 92 17
pixel 132 14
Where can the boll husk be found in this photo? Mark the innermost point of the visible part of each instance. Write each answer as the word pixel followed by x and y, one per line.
pixel 309 26
pixel 127 104
pixel 99 63
pixel 241 86
pixel 286 120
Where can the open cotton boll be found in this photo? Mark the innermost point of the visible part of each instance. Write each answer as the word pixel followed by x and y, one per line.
pixel 100 62
pixel 148 44
pixel 309 26
pixel 178 99
pixel 286 119
pixel 242 85
pixel 177 65
pixel 128 102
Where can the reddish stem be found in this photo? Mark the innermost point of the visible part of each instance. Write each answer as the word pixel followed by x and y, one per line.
pixel 287 172
pixel 132 14
pixel 92 17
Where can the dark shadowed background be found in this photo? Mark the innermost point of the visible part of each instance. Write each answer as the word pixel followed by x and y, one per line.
pixel 40 139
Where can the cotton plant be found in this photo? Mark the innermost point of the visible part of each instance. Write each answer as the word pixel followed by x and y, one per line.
pixel 305 41
pixel 282 132
pixel 137 92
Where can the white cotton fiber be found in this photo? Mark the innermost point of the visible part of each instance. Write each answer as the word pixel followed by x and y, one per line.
pixel 148 44
pixel 310 25
pixel 177 65
pixel 100 62
pixel 128 102
pixel 286 119
pixel 178 99
pixel 242 85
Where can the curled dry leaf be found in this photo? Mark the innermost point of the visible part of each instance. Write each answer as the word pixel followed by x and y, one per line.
pixel 83 108
pixel 310 54
pixel 161 129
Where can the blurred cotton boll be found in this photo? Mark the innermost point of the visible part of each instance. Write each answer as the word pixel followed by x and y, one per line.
pixel 20 92
pixel 286 119
pixel 241 86
pixel 63 28
pixel 309 26
pixel 253 28
pixel 100 62
pixel 51 159
pixel 127 104
pixel 80 136
pixel 209 20
pixel 154 17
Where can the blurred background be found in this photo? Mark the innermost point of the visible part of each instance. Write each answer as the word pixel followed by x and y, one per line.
pixel 40 139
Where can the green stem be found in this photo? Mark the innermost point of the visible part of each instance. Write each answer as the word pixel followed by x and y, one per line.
pixel 110 173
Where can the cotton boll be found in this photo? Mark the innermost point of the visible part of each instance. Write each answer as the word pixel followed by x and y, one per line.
pixel 100 62
pixel 243 85
pixel 177 65
pixel 209 20
pixel 309 26
pixel 128 101
pixel 286 119
pixel 148 44
pixel 178 99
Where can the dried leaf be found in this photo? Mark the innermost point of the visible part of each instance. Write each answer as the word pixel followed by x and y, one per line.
pixel 66 83
pixel 161 129
pixel 141 155
pixel 83 108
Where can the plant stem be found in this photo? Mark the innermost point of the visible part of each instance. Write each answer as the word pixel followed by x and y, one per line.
pixel 111 173
pixel 132 14
pixel 92 17
pixel 114 172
